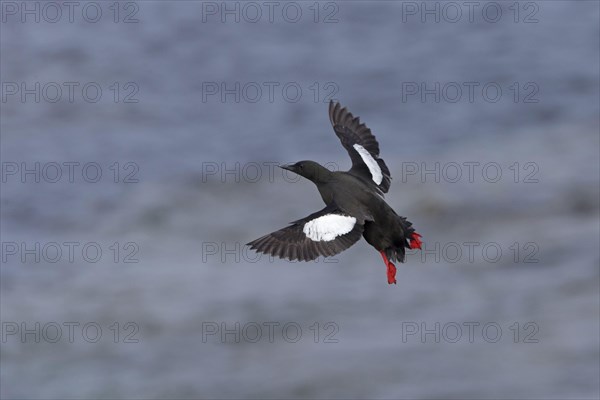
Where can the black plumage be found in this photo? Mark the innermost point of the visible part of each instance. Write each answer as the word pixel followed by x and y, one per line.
pixel 354 204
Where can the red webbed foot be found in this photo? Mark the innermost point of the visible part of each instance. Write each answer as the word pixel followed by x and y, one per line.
pixel 391 269
pixel 391 273
pixel 415 241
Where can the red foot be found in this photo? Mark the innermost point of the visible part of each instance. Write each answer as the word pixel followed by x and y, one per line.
pixel 391 269
pixel 415 241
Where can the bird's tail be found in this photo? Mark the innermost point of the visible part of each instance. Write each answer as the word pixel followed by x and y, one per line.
pixel 407 238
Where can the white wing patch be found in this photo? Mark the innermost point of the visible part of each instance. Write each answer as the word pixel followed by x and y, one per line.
pixel 328 227
pixel 371 163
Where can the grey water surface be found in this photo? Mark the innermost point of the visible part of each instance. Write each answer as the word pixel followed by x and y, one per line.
pixel 489 126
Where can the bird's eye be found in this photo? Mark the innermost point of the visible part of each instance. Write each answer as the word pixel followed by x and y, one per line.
pixel 301 167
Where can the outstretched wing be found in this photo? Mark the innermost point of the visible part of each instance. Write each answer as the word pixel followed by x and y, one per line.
pixel 324 233
pixel 362 146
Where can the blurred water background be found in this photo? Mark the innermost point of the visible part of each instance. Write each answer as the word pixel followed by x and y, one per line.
pixel 180 212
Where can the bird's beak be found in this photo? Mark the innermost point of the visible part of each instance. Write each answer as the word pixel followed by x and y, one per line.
pixel 289 167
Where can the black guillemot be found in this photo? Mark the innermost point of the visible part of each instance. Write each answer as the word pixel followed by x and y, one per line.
pixel 354 205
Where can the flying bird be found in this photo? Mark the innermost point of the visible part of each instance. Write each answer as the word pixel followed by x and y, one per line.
pixel 354 205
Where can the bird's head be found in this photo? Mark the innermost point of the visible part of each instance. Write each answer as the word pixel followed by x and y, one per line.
pixel 310 170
